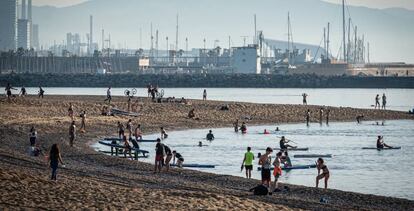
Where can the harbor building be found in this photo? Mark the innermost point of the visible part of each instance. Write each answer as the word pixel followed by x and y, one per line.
pixel 246 59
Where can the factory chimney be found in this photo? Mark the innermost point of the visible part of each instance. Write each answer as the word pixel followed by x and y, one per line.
pixel 29 10
pixel 23 9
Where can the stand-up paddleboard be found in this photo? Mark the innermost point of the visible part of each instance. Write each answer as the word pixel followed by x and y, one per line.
pixel 385 148
pixel 313 156
pixel 139 140
pixel 196 165
pixel 122 146
pixel 291 149
pixel 292 167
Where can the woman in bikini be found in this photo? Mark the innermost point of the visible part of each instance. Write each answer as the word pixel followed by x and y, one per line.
pixel 325 172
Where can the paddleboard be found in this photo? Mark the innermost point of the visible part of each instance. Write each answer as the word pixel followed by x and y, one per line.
pixel 385 148
pixel 196 165
pixel 313 156
pixel 293 167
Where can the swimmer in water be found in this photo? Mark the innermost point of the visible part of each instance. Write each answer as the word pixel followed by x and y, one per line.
pixel 210 135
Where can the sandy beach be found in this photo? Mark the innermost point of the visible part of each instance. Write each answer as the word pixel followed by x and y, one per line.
pixel 92 180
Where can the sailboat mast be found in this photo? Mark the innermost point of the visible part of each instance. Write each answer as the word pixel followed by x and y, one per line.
pixel 343 27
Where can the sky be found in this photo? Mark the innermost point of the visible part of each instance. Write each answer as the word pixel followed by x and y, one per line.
pixel 380 4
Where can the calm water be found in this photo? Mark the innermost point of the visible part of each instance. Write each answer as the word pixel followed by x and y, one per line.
pixel 398 99
pixel 386 173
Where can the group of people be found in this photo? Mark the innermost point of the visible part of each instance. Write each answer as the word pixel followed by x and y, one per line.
pixel 321 116
pixel 164 155
pixel 22 92
pixel 242 128
pixel 377 101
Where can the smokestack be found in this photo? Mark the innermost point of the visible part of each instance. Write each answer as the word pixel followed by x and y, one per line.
pixel 29 10
pixel 90 34
pixel 24 9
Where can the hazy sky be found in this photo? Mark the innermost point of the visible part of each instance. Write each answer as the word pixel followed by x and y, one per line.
pixel 408 4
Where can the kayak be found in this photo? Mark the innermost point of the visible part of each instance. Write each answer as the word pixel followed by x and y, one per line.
pixel 313 156
pixel 385 148
pixel 293 167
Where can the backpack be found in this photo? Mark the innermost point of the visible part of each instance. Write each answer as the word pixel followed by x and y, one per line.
pixel 260 190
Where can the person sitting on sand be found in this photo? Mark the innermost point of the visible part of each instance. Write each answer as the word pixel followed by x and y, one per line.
pixel 127 146
pixel 121 130
pixel 265 161
pixel 359 118
pixel 164 134
pixel 286 159
pixel 159 156
pixel 138 133
pixel 54 159
pixel 83 121
pixel 243 128
pixel 32 136
pixel 277 171
pixel 72 133
pixel 191 114
pixel 236 126
pixel 283 144
pixel 70 111
pixel 36 151
pixel 104 111
pixel 41 92
pixel 248 162
pixel 381 144
pixel 325 172
pixel 168 157
pixel 210 135
pixel 180 159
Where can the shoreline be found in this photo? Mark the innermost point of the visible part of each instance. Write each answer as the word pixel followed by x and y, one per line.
pixel 90 167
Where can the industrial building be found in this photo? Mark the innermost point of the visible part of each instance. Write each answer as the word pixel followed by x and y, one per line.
pixel 23 34
pixel 246 59
pixel 8 24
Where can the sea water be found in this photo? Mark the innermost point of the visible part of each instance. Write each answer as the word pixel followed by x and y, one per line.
pixel 387 172
pixel 397 99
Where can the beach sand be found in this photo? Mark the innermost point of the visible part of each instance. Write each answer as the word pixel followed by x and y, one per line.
pixel 93 180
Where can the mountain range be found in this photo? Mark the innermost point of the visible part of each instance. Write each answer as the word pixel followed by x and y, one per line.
pixel 390 32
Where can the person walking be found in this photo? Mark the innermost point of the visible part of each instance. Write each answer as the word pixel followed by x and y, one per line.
pixel 320 116
pixel 83 121
pixel 41 92
pixel 308 113
pixel 108 95
pixel 54 159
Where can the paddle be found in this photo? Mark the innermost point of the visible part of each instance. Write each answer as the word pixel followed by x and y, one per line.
pixel 287 139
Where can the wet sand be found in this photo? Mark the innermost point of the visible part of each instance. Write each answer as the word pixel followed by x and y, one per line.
pixel 92 180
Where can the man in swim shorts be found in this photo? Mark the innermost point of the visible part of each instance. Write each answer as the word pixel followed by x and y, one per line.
pixel 159 156
pixel 265 161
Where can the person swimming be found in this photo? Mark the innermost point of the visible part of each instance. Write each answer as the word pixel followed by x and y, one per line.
pixel 325 172
pixel 266 132
pixel 277 129
pixel 283 144
pixel 381 144
pixel 210 135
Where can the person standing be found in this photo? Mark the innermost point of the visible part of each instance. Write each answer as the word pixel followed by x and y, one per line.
pixel 277 171
pixel 72 133
pixel 54 159
pixel 138 133
pixel 164 134
pixel 159 156
pixel 32 136
pixel 8 91
pixel 384 101
pixel 204 95
pixel 248 162
pixel 325 172
pixel 108 95
pixel 308 113
pixel 210 136
pixel 320 116
pixel 328 112
pixel 121 130
pixel 83 121
pixel 168 157
pixel 70 111
pixel 129 127
pixel 243 128
pixel 236 126
pixel 265 161
pixel 377 103
pixel 41 92
pixel 304 96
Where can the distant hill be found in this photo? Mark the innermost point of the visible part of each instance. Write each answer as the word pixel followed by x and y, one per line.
pixel 389 31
